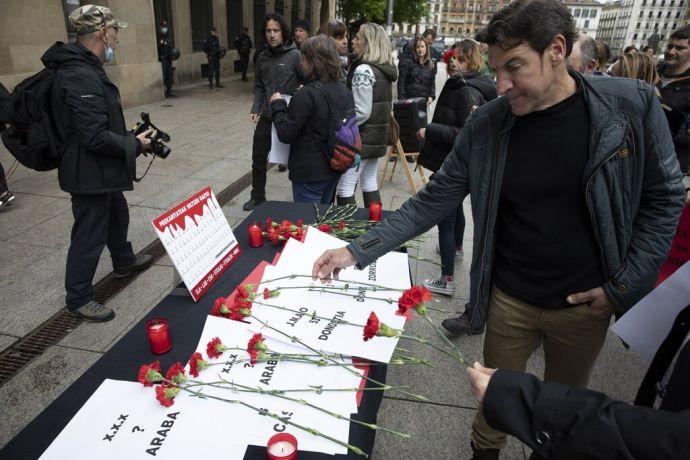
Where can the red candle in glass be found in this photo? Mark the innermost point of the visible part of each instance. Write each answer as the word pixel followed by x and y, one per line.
pixel 282 446
pixel 256 238
pixel 159 335
pixel 375 211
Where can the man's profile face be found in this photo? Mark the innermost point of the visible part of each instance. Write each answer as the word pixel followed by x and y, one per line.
pixel 300 35
pixel 523 76
pixel 429 39
pixel 274 34
pixel 677 53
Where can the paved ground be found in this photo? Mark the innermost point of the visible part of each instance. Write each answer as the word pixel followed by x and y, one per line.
pixel 212 145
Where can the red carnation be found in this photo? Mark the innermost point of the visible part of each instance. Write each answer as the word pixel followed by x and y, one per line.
pixel 372 327
pixel 341 225
pixel 256 348
pixel 220 308
pixel 325 228
pixel 414 298
pixel 269 223
pixel 242 292
pixel 165 394
pixel 240 310
pixel 150 374
pixel 267 293
pixel 176 373
pixel 196 364
pixel 300 222
pixel 215 348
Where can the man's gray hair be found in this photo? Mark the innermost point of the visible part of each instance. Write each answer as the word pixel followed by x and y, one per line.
pixel 588 49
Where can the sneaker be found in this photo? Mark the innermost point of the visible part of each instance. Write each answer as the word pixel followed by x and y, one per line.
pixel 6 199
pixel 93 312
pixel 253 203
pixel 461 325
pixel 441 285
pixel 142 262
pixel 282 168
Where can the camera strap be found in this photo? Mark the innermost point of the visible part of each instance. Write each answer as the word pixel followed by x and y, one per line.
pixel 139 179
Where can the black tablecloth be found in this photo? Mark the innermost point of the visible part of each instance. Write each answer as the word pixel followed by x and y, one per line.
pixel 186 320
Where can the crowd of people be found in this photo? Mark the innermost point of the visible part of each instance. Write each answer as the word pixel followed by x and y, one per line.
pixel 574 168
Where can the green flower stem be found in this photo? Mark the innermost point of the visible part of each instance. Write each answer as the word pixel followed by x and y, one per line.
pixel 313 388
pixel 297 340
pixel 310 315
pixel 284 420
pixel 321 409
pixel 424 341
pixel 452 345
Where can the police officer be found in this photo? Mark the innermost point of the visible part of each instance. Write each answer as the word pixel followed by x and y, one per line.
pixel 244 46
pixel 99 158
pixel 166 50
pixel 213 51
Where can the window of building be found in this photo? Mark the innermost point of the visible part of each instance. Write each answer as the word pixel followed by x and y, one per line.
pixel 587 24
pixel 675 25
pixel 67 7
pixel 650 14
pixel 638 25
pixel 279 7
pixel 668 15
pixel 653 2
pixel 470 8
pixel 592 13
pixel 678 15
pixel 673 3
pixel 635 37
pixel 644 2
pixel 201 12
pixel 646 26
pixel 585 13
pixel 577 13
pixel 641 14
pixel 443 30
pixel 234 12
pixel 259 33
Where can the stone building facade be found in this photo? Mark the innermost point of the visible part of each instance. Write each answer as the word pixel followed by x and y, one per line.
pixel 29 27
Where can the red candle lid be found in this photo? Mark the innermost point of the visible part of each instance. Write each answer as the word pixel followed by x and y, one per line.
pixel 282 437
pixel 157 324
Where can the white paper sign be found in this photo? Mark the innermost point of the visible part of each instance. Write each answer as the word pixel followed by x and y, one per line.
pixel 646 325
pixel 278 375
pixel 279 152
pixel 124 420
pixel 199 240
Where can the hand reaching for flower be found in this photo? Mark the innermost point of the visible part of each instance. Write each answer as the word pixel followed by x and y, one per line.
pixel 480 377
pixel 331 262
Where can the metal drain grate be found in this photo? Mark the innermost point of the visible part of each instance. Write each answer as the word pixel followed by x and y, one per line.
pixel 14 358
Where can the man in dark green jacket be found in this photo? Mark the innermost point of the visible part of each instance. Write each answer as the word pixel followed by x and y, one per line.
pixel 576 194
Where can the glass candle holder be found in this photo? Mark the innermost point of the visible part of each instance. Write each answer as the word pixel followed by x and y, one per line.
pixel 375 211
pixel 159 335
pixel 256 238
pixel 282 446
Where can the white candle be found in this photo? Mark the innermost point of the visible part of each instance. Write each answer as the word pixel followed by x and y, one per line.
pixel 281 448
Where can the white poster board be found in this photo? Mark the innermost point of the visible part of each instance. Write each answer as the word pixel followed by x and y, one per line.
pixel 198 239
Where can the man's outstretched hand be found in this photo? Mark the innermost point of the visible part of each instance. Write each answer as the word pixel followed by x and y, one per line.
pixel 479 379
pixel 330 263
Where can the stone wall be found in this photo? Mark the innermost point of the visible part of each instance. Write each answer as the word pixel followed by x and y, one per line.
pixel 29 27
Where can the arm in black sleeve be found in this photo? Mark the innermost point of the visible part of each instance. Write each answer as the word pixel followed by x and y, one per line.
pixel 432 90
pixel 403 68
pixel 552 418
pixel 290 120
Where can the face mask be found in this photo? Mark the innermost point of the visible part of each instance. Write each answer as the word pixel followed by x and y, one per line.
pixel 109 51
pixel 164 30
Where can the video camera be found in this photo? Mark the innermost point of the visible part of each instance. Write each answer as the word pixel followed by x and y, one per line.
pixel 158 148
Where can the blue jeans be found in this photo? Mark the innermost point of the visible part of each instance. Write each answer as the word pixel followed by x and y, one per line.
pixel 313 192
pixel 451 231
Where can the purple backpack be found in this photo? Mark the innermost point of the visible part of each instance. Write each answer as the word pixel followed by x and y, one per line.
pixel 344 141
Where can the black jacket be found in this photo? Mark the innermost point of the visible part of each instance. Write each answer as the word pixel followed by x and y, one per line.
pixel 560 422
pixel 304 124
pixel 243 43
pixel 100 153
pixel 374 131
pixel 415 79
pixel 676 96
pixel 454 105
pixel 277 70
pixel 212 47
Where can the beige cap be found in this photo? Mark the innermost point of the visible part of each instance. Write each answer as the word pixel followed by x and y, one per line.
pixel 89 18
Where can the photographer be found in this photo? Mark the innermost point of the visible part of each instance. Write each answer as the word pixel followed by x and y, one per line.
pixel 99 159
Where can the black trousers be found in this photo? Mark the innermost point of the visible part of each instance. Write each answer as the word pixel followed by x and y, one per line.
pixel 167 74
pixel 99 220
pixel 213 70
pixel 244 63
pixel 260 148
pixel 3 181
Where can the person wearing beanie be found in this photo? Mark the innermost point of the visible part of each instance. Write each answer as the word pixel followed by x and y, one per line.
pixel 302 31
